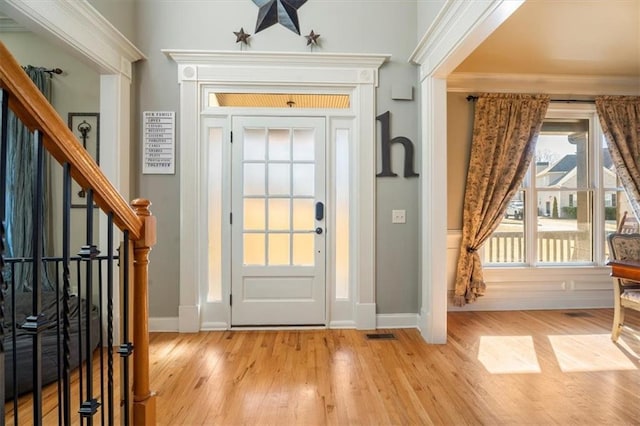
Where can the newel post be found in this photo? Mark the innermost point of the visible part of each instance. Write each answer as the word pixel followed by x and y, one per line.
pixel 144 401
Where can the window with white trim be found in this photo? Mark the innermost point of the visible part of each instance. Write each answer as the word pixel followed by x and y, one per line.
pixel 569 201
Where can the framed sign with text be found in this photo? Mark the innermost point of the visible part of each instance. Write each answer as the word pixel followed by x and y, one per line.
pixel 159 130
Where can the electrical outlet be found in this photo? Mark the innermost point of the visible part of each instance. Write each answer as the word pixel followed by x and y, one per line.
pixel 398 216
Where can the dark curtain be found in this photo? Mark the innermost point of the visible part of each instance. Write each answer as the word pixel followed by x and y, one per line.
pixel 21 192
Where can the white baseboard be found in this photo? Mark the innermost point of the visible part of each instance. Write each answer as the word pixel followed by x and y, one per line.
pixel 397 320
pixel 214 326
pixel 163 324
pixel 342 324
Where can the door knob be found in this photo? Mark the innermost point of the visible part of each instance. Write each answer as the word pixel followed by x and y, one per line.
pixel 318 230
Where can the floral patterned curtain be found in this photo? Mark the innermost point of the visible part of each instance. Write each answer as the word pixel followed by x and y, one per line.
pixel 620 121
pixel 505 129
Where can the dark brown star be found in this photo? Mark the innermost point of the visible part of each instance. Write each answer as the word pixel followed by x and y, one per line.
pixel 312 38
pixel 241 36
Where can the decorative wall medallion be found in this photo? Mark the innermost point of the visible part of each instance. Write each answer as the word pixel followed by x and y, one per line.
pixel 284 12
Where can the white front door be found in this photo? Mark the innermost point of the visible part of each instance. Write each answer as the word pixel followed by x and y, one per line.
pixel 278 221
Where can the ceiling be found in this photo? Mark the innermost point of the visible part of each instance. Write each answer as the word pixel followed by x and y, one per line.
pixel 570 37
pixel 588 37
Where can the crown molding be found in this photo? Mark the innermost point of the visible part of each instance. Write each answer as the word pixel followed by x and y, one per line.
pixel 439 52
pixel 267 59
pixel 573 85
pixel 78 24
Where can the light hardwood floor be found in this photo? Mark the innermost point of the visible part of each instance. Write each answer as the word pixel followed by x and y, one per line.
pixel 512 368
pixel 543 367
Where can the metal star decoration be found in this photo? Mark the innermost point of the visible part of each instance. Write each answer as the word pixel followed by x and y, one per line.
pixel 312 39
pixel 284 12
pixel 241 36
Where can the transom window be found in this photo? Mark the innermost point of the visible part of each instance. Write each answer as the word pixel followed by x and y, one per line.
pixel 569 201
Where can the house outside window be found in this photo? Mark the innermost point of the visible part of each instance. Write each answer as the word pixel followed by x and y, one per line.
pixel 569 201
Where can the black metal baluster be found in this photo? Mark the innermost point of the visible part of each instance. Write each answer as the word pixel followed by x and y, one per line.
pixel 81 365
pixel 3 183
pixel 14 341
pixel 110 316
pixel 66 294
pixel 126 348
pixel 36 323
pixel 88 253
pixel 101 339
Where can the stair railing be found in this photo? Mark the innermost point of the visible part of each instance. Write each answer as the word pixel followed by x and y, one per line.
pixel 136 221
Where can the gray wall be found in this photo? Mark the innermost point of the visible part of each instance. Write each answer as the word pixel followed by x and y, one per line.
pixel 345 26
pixel 121 13
pixel 426 13
pixel 459 132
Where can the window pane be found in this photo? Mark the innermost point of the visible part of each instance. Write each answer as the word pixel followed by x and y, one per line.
pixel 254 214
pixel 254 179
pixel 303 145
pixel 279 145
pixel 507 244
pixel 564 232
pixel 303 214
pixel 253 249
pixel 279 179
pixel 254 144
pixel 303 176
pixel 279 214
pixel 561 154
pixel 279 249
pixel 215 214
pixel 341 162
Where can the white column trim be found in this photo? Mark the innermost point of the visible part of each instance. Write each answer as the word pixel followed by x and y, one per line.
pixel 458 29
pixel 433 314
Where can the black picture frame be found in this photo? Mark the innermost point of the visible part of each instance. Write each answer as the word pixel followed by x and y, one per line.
pixel 86 127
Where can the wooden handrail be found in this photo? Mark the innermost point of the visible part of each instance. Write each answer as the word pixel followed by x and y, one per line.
pixel 33 109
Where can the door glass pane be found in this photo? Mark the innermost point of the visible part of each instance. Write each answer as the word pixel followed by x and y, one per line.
pixel 254 249
pixel 279 214
pixel 279 179
pixel 341 162
pixel 254 214
pixel 303 145
pixel 254 144
pixel 303 180
pixel 303 214
pixel 279 145
pixel 254 180
pixel 303 249
pixel 215 213
pixel 279 249
pixel 564 231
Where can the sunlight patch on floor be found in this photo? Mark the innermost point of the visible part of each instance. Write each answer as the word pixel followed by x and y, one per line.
pixel 589 352
pixel 508 354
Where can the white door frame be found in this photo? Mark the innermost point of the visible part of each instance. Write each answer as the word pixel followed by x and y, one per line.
pixel 356 75
pixel 457 30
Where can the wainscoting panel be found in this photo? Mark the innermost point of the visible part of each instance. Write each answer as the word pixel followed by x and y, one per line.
pixel 534 288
